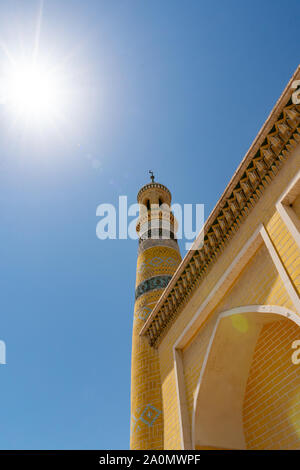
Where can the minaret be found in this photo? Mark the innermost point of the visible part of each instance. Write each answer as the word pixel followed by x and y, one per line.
pixel 158 259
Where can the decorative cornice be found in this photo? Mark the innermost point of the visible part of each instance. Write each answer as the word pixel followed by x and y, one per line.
pixel 150 243
pixel 278 137
pixel 151 186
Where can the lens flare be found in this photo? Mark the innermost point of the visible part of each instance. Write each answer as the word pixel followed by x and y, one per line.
pixel 31 91
pixel 240 323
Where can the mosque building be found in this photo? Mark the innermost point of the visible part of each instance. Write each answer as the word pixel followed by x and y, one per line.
pixel 216 335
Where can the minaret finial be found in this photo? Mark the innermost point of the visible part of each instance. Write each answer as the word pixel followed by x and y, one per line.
pixel 151 176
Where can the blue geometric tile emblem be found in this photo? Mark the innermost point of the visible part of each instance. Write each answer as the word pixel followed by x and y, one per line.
pixel 143 313
pixel 148 416
pixel 134 425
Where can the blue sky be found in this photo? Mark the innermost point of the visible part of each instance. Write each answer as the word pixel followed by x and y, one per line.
pixel 179 87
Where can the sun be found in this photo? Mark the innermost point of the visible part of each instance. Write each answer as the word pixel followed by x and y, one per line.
pixel 32 90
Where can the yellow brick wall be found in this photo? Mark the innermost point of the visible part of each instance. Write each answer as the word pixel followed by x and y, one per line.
pixel 271 413
pixel 156 261
pixel 286 248
pixel 258 283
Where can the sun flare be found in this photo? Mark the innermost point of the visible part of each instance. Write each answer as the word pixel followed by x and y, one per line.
pixel 31 90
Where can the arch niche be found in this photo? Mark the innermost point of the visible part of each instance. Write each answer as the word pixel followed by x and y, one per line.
pixel 219 399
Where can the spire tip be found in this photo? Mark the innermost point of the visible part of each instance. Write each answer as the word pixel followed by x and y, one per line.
pixel 151 176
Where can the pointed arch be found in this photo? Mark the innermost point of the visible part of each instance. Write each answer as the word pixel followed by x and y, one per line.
pixel 217 411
